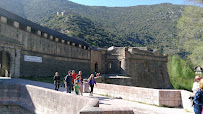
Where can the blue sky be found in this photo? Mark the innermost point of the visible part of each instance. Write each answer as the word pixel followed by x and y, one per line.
pixel 113 3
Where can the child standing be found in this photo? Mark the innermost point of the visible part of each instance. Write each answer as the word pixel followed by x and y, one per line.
pixel 91 83
pixel 76 88
pixel 56 81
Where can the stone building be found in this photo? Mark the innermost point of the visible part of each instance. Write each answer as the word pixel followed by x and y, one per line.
pixel 28 49
pixel 145 66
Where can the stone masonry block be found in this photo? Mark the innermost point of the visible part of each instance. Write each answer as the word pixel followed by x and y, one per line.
pixel 3 19
pixel 28 29
pixel 16 24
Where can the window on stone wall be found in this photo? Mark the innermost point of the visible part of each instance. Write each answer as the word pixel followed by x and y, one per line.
pixel 96 67
pixel 76 45
pixel 9 22
pixel 110 65
pixel 33 31
pixel 22 27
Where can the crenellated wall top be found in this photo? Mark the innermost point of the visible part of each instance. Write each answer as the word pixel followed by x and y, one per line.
pixel 16 21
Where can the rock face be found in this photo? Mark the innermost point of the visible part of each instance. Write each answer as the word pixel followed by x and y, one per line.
pixel 28 49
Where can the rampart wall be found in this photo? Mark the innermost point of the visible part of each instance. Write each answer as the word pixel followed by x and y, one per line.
pixel 29 99
pixel 57 54
pixel 159 97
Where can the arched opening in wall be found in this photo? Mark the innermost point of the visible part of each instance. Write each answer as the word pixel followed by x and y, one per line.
pixel 5 64
pixel 96 67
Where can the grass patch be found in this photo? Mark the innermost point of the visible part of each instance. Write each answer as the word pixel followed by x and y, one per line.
pixel 46 79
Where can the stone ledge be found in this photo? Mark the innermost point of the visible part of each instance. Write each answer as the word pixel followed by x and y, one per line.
pixel 95 110
pixel 160 97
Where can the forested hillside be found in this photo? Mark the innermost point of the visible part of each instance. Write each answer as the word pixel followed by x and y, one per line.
pixel 154 26
pixel 84 28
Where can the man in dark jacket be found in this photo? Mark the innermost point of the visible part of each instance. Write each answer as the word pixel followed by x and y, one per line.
pixel 68 82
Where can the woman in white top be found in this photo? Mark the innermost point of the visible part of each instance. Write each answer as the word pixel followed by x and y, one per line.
pixel 196 84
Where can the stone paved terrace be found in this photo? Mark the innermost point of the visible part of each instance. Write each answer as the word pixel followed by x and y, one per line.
pixel 109 103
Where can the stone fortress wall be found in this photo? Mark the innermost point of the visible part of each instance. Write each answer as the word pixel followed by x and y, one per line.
pixel 146 67
pixel 56 54
pixel 28 49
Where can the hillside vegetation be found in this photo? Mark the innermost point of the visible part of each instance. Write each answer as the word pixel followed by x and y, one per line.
pixel 77 26
pixel 153 26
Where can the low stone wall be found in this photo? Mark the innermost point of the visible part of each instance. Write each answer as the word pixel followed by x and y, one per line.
pixel 160 97
pixel 186 103
pixel 29 99
pixel 41 100
pixel 118 80
pixel 52 102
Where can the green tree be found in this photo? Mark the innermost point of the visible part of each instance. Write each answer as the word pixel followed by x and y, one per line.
pixel 180 72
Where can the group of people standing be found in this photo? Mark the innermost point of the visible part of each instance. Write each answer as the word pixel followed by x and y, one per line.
pixel 74 82
pixel 197 95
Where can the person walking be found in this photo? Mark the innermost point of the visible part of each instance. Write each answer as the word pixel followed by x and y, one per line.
pixel 56 81
pixel 74 75
pixel 68 82
pixel 198 99
pixel 91 81
pixel 80 74
pixel 80 85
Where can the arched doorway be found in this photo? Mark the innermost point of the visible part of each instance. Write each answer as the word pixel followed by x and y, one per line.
pixel 96 67
pixel 5 64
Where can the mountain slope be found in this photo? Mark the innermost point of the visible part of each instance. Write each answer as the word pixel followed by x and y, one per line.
pixel 84 28
pixel 153 26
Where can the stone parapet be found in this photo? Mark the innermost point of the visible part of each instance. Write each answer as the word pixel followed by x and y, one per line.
pixel 40 100
pixel 160 97
pixel 186 103
pixel 29 99
pixel 147 57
